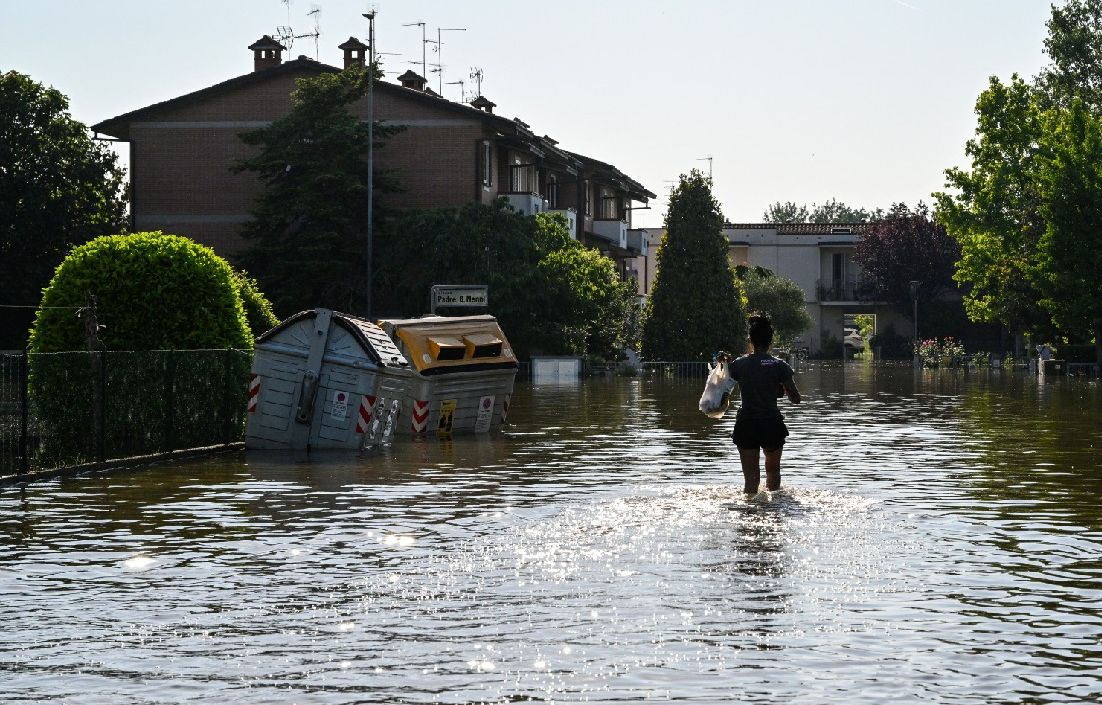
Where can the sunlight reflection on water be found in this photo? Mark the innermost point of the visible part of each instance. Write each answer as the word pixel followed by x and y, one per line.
pixel 937 539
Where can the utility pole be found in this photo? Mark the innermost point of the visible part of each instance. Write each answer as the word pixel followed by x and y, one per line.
pixel 370 152
pixel 440 51
pixel 424 43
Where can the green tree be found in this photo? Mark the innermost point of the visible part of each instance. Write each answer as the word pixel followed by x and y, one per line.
pixel 833 211
pixel 994 209
pixel 1069 254
pixel 58 188
pixel 308 233
pixel 696 306
pixel 550 293
pixel 780 298
pixel 1074 47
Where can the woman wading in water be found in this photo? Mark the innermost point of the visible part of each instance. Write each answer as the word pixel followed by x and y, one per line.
pixel 762 379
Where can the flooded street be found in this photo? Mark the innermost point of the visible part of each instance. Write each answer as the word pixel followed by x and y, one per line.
pixel 938 539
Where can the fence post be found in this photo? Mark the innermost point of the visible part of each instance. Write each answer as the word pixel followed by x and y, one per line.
pixel 227 399
pixel 170 401
pixel 95 347
pixel 100 384
pixel 24 410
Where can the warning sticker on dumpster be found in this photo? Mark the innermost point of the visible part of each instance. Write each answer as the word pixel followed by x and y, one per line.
pixel 339 408
pixel 447 413
pixel 485 414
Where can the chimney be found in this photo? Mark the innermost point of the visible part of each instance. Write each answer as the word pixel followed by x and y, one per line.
pixel 267 53
pixel 483 103
pixel 412 80
pixel 355 52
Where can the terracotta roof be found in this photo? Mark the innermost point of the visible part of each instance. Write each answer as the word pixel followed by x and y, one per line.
pixel 626 182
pixel 266 42
pixel 803 228
pixel 119 126
pixel 352 43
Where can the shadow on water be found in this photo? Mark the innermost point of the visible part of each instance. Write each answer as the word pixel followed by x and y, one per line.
pixel 936 540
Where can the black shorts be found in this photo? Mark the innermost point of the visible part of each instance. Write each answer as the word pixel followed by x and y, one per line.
pixel 767 434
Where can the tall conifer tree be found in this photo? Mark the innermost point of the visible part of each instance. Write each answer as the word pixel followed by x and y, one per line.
pixel 696 305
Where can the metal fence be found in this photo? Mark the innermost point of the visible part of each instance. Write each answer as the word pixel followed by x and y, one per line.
pixel 676 369
pixel 64 409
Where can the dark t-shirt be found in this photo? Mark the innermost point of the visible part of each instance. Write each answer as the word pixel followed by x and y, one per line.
pixel 759 377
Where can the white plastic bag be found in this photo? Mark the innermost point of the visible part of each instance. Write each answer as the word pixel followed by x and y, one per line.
pixel 717 392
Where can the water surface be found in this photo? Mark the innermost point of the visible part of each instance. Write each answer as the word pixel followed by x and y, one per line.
pixel 938 539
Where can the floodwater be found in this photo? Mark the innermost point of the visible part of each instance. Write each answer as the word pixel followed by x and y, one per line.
pixel 938 539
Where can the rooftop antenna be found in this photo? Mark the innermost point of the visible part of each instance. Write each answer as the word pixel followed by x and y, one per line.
pixel 315 12
pixel 709 160
pixel 424 43
pixel 462 89
pixel 439 50
pixel 477 76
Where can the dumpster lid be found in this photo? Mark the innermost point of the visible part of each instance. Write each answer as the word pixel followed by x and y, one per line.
pixel 375 342
pixel 443 344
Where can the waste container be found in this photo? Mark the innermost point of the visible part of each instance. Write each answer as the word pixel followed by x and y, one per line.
pixel 1053 368
pixel 324 379
pixel 464 370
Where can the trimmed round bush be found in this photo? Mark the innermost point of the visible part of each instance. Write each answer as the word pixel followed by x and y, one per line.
pixel 153 292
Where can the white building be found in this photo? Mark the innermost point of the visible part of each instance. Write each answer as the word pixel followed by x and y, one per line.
pixel 818 257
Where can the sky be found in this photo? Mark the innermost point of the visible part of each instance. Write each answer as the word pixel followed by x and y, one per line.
pixel 866 101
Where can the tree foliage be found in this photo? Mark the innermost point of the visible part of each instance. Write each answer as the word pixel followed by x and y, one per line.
pixel 58 188
pixel 1069 254
pixel 833 211
pixel 308 233
pixel 696 304
pixel 153 292
pixel 258 310
pixel 994 209
pixel 907 245
pixel 551 294
pixel 780 298
pixel 1074 47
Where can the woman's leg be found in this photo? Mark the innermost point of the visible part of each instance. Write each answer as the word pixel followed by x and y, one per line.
pixel 751 473
pixel 772 469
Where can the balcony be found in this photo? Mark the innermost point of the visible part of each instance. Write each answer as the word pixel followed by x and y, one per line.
pixel 571 216
pixel 526 203
pixel 612 230
pixel 638 241
pixel 837 291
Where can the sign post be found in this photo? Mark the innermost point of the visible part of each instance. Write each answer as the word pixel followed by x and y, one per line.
pixel 458 295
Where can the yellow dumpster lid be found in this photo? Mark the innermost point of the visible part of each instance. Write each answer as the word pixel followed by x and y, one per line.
pixel 423 339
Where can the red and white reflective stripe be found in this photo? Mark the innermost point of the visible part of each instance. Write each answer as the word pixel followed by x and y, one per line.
pixel 420 416
pixel 505 407
pixel 254 392
pixel 363 420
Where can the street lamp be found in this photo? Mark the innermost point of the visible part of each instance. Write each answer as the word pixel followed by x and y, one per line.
pixel 370 153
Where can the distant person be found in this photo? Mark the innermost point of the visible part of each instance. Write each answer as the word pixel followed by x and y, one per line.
pixel 759 425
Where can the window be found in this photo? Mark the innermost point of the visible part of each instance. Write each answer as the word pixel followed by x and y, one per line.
pixel 838 268
pixel 588 198
pixel 487 164
pixel 552 192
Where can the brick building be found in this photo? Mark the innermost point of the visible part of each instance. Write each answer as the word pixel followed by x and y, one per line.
pixel 449 154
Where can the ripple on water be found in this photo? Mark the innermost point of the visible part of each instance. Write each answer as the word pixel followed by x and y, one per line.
pixel 937 540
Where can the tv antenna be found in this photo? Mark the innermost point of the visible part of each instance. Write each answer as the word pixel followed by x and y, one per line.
pixel 286 36
pixel 477 76
pixel 709 160
pixel 439 50
pixel 462 89
pixel 424 43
